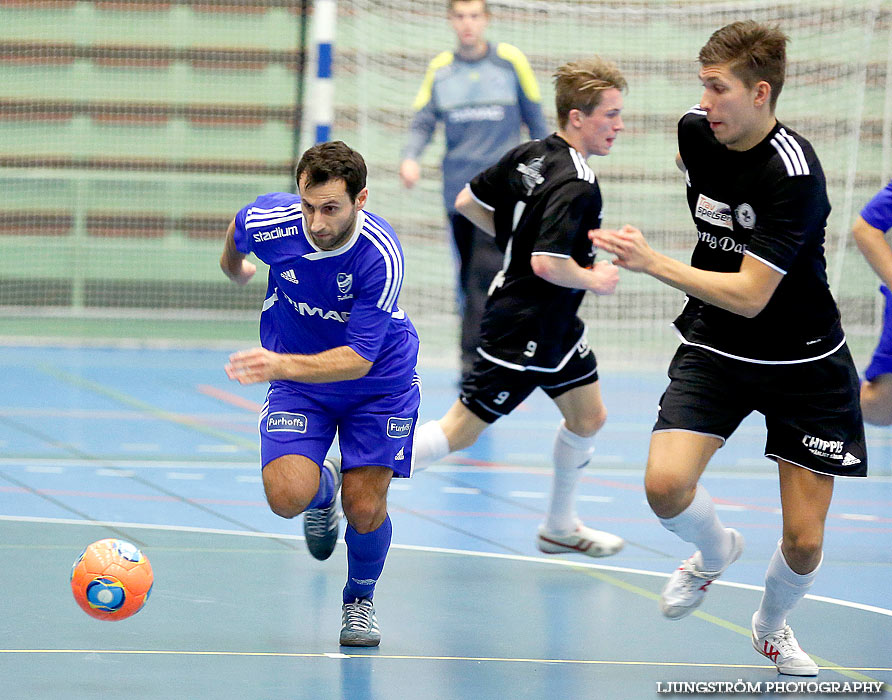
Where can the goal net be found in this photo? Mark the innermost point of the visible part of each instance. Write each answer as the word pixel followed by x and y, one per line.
pixel 133 130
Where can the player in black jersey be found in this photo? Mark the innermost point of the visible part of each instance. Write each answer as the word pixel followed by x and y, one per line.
pixel 539 201
pixel 760 331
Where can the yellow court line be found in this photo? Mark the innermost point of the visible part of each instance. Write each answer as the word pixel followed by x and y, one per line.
pixel 149 409
pixel 408 657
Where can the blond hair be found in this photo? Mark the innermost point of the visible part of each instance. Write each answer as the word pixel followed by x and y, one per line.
pixel 580 84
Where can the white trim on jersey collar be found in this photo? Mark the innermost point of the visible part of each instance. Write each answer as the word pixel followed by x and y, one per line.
pixel 320 254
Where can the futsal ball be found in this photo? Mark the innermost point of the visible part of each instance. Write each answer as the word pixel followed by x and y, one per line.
pixel 111 580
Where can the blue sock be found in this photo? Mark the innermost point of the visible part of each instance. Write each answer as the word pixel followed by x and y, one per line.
pixel 326 493
pixel 365 560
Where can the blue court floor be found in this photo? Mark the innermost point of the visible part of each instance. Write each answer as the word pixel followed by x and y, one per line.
pixel 158 447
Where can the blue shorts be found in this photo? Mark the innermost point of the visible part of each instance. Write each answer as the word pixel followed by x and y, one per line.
pixel 373 431
pixel 881 362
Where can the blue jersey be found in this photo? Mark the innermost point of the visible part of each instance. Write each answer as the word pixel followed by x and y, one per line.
pixel 482 104
pixel 322 299
pixel 878 211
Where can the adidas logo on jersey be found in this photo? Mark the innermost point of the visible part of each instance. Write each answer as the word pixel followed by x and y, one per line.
pixel 850 460
pixel 399 456
pixel 289 276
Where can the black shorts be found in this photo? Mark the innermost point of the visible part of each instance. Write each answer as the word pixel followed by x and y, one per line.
pixel 812 409
pixel 491 391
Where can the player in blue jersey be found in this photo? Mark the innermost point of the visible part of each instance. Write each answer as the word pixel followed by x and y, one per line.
pixel 339 355
pixel 483 93
pixel 869 231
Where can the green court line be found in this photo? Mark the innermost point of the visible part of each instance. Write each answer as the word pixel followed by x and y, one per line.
pixel 148 409
pixel 721 622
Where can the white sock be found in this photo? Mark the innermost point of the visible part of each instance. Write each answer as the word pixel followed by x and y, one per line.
pixel 571 453
pixel 783 589
pixel 430 445
pixel 699 524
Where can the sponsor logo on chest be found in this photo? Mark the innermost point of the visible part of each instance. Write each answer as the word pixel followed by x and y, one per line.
pixel 274 233
pixel 715 212
pixel 485 113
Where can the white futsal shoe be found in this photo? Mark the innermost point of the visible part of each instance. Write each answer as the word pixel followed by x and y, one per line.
pixel 582 540
pixel 687 585
pixel 782 649
pixel 359 626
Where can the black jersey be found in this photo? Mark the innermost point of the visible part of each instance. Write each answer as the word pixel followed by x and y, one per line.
pixel 544 199
pixel 769 202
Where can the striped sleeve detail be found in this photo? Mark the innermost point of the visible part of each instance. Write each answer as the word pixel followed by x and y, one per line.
pixel 427 85
pixel 255 217
pixel 582 170
pixel 393 263
pixel 525 75
pixel 696 109
pixel 791 153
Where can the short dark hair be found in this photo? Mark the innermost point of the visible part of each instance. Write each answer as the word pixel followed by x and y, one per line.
pixel 754 51
pixel 333 160
pixel 579 85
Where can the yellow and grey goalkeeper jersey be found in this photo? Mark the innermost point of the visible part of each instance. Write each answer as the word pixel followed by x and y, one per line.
pixel 482 104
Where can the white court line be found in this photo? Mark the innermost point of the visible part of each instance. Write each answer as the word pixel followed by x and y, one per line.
pixel 432 550
pixel 461 490
pixel 117 473
pixel 185 476
pixel 441 468
pixel 218 448
pixel 142 464
pixel 141 446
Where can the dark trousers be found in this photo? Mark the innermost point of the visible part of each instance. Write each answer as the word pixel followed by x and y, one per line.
pixel 479 259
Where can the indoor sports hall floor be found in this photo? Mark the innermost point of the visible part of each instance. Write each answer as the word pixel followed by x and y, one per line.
pixel 157 447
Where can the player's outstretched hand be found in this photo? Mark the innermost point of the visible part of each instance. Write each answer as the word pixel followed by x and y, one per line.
pixel 627 244
pixel 244 275
pixel 254 365
pixel 605 278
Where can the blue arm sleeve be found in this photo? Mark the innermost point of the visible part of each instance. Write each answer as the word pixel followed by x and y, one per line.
pixel 878 211
pixel 240 237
